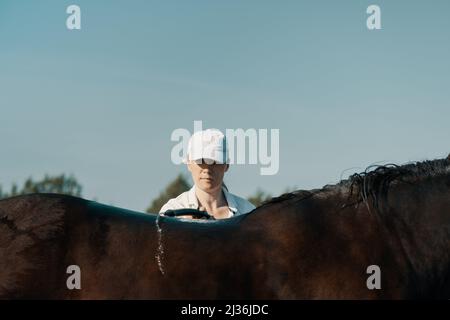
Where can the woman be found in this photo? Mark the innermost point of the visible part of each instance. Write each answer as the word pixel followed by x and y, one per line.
pixel 207 160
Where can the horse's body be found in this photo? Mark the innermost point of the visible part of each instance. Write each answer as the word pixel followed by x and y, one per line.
pixel 303 245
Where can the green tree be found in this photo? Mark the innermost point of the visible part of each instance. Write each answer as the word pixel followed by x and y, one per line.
pixel 61 184
pixel 259 197
pixel 174 189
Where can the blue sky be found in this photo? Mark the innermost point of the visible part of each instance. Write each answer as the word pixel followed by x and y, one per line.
pixel 102 102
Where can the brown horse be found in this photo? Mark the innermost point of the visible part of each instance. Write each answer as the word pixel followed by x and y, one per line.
pixel 303 245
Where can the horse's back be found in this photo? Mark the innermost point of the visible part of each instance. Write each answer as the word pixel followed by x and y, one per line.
pixel 32 234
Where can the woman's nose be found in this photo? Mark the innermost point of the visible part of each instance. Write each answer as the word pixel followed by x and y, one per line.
pixel 205 166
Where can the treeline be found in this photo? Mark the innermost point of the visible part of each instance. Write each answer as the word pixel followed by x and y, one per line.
pixel 62 184
pixel 68 184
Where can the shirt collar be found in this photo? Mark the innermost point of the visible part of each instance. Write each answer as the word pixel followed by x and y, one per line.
pixel 192 198
pixel 193 201
pixel 230 200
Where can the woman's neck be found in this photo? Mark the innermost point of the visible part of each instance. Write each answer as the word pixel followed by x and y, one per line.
pixel 210 200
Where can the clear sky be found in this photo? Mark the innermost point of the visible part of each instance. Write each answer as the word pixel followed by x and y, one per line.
pixel 102 102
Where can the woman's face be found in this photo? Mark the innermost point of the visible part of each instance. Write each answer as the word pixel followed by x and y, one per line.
pixel 207 177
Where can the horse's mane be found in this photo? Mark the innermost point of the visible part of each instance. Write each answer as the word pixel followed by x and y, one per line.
pixel 374 182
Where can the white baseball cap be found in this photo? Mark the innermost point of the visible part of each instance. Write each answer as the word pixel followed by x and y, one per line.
pixel 209 144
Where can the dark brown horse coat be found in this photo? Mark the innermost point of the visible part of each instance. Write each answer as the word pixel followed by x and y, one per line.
pixel 303 245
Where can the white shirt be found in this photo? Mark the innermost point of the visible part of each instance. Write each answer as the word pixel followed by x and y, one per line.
pixel 188 199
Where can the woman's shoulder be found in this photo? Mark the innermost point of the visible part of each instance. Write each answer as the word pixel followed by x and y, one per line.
pixel 242 205
pixel 180 202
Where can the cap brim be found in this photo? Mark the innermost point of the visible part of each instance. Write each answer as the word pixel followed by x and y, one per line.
pixel 207 161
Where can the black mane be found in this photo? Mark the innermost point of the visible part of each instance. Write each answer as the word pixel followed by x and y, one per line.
pixel 375 181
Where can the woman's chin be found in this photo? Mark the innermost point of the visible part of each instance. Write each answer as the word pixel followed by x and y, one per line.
pixel 207 185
